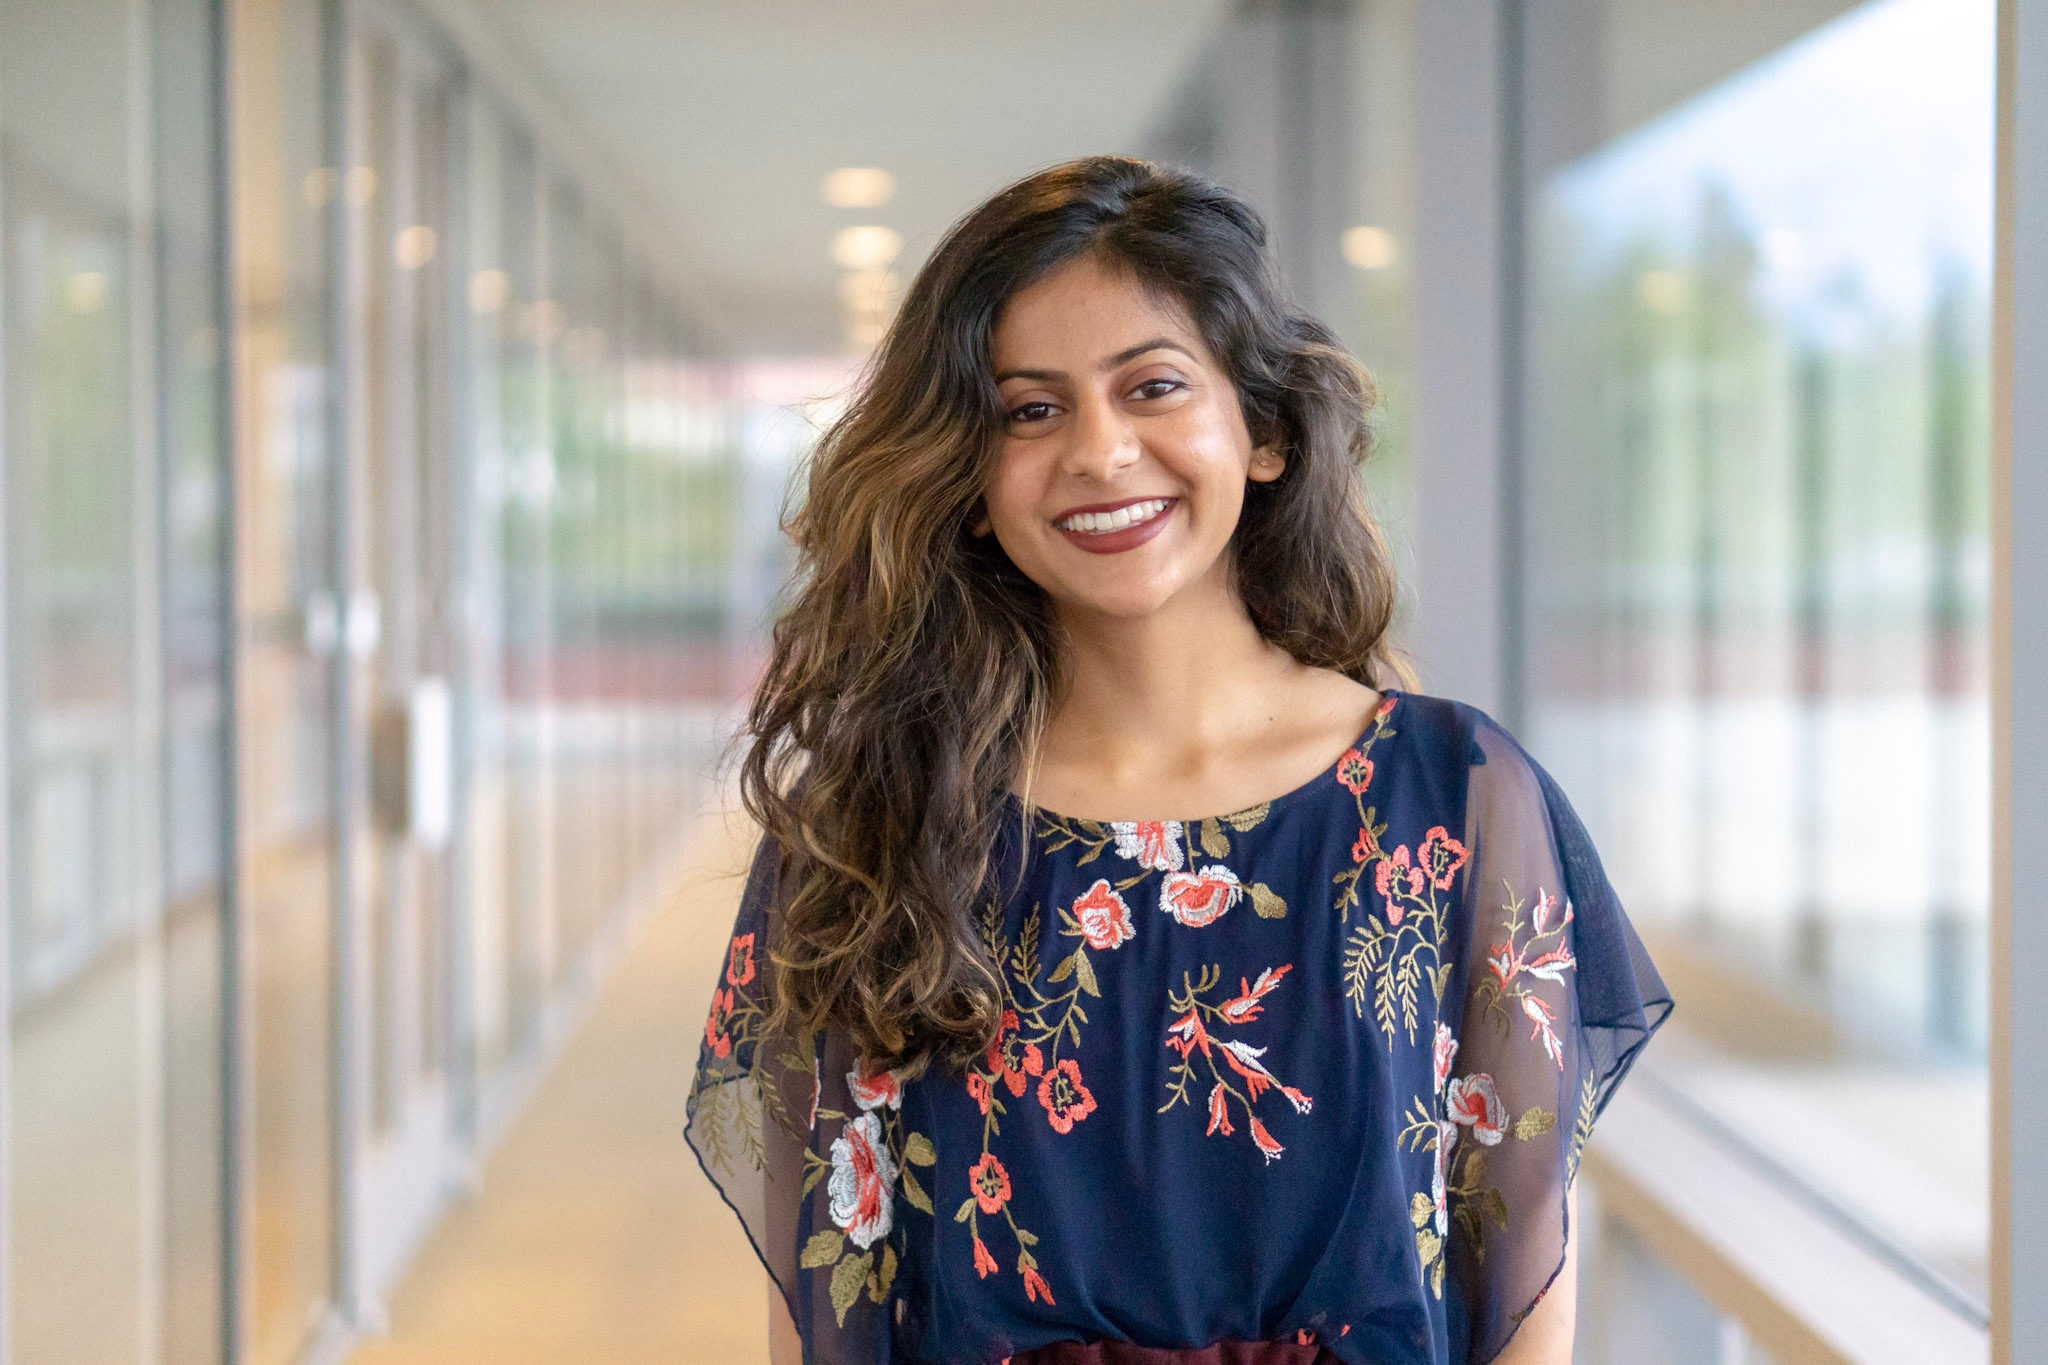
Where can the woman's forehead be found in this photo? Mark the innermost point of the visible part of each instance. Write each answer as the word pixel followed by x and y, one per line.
pixel 1084 311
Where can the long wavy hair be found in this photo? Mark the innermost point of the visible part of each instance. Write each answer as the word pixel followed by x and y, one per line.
pixel 914 667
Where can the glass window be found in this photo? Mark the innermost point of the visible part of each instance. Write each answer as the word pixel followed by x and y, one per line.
pixel 1759 265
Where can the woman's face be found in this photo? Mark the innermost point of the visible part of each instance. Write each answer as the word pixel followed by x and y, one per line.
pixel 1124 455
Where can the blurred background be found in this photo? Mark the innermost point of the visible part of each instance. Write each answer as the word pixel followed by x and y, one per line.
pixel 397 398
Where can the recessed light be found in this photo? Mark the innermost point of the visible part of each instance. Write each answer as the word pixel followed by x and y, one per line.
pixel 413 247
pixel 857 187
pixel 867 247
pixel 1370 248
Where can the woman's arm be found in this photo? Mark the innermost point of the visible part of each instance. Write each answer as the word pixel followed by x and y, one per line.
pixel 1545 1336
pixel 783 1346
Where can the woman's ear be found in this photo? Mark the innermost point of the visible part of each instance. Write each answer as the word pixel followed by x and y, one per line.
pixel 978 524
pixel 1267 464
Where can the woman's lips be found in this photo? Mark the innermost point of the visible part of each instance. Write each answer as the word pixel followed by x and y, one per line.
pixel 1126 538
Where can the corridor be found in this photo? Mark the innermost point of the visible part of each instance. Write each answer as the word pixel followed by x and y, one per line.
pixel 596 1238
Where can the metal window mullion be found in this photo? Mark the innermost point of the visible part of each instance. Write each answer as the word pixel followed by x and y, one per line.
pixel 2019 915
pixel 6 826
pixel 345 1089
pixel 235 1050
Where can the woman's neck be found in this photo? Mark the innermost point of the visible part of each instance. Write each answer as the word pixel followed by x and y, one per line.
pixel 1193 678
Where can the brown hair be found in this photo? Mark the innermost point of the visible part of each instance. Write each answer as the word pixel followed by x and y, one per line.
pixel 914 666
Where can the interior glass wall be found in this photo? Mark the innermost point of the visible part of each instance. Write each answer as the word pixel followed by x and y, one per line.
pixel 1759 260
pixel 112 479
pixel 462 466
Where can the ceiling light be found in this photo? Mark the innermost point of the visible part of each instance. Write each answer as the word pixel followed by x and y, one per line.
pixel 865 248
pixel 857 187
pixel 1369 248
pixel 488 291
pixel 413 247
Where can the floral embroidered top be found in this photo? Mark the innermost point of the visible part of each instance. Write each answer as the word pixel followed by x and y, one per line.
pixel 1318 1071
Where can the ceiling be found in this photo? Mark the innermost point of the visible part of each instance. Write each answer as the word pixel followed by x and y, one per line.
pixel 725 117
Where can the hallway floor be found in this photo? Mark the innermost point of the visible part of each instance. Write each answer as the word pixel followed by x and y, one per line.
pixel 597 1240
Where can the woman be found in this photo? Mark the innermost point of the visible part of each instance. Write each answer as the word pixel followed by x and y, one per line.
pixel 1017 1054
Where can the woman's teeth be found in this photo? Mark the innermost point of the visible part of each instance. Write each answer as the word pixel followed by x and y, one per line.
pixel 1098 523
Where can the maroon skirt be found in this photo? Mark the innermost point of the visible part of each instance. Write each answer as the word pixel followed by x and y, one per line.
pixel 1222 1353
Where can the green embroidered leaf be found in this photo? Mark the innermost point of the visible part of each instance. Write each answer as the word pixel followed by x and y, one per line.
pixel 1025 1261
pixel 1029 1239
pixel 1213 841
pixel 1249 817
pixel 1535 1121
pixel 1268 902
pixel 847 1279
pixel 1474 1168
pixel 1085 973
pixel 1441 979
pixel 914 1192
pixel 878 1284
pixel 1496 1208
pixel 1420 1209
pixel 811 1176
pixel 1436 1279
pixel 917 1150
pixel 1427 1244
pixel 838 1114
pixel 1065 969
pixel 823 1248
pixel 966 1207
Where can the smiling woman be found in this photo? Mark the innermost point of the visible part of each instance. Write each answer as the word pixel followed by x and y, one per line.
pixel 1089 553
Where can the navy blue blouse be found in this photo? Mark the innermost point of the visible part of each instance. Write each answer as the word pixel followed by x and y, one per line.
pixel 1318 1070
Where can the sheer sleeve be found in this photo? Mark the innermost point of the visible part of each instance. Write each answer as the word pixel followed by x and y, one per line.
pixel 1559 998
pixel 807 1159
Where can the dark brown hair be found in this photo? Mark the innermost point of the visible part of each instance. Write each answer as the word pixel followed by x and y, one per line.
pixel 914 666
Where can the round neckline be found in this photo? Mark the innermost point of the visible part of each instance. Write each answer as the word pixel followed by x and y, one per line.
pixel 1271 804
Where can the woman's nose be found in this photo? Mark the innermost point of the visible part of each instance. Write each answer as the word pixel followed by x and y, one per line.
pixel 1101 441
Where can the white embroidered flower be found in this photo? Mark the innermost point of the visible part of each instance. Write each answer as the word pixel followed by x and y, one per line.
pixel 1198 898
pixel 862 1181
pixel 1149 843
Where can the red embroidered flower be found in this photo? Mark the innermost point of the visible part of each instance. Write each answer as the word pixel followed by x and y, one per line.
pixel 1198 898
pixel 984 1264
pixel 1441 856
pixel 1244 1060
pixel 1354 770
pixel 977 1086
pixel 1186 1034
pixel 1267 1146
pixel 1004 1059
pixel 872 1092
pixel 990 1182
pixel 859 1186
pixel 1386 708
pixel 1149 843
pixel 739 966
pixel 1105 919
pixel 1244 1007
pixel 1361 848
pixel 1034 1285
pixel 714 1027
pixel 1397 869
pixel 1219 1112
pixel 1066 1100
pixel 1533 1006
pixel 1446 1048
pixel 1473 1101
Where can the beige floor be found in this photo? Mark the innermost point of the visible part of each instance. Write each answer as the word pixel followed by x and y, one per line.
pixel 597 1239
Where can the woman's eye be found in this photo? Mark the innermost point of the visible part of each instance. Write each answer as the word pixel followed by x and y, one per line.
pixel 1030 412
pixel 1157 388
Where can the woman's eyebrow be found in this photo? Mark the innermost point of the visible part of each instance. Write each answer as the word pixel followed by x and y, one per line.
pixel 1109 363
